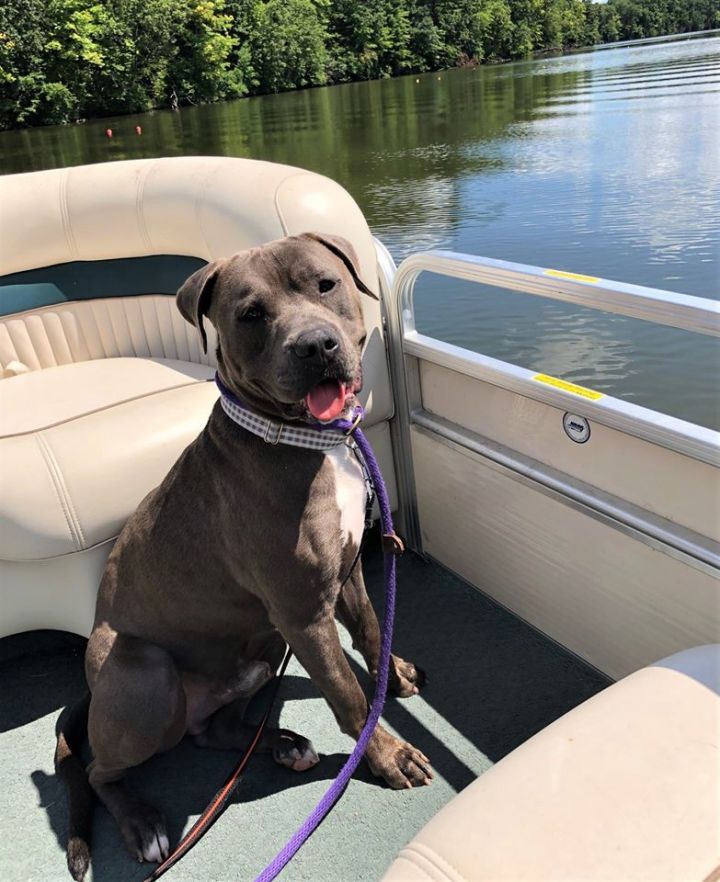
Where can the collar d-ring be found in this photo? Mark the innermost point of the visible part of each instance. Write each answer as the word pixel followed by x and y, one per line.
pixel 356 422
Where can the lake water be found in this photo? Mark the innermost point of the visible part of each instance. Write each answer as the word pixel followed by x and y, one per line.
pixel 605 163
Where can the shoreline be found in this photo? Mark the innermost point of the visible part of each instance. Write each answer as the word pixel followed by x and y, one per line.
pixel 468 63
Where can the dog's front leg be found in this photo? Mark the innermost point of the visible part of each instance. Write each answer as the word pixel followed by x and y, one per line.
pixel 356 612
pixel 317 647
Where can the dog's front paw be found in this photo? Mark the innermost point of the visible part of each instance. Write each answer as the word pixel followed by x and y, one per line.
pixel 398 762
pixel 404 678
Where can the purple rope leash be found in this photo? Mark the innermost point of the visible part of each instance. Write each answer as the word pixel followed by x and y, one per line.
pixel 333 793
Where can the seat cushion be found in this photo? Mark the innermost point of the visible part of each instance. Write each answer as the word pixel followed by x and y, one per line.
pixel 42 399
pixel 624 787
pixel 81 445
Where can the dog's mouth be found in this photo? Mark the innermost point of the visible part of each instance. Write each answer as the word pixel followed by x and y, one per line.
pixel 329 399
pixel 326 401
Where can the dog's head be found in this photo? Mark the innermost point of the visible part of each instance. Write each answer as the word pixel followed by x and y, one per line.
pixel 289 324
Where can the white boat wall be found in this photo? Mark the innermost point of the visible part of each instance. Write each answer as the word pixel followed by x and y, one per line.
pixel 610 547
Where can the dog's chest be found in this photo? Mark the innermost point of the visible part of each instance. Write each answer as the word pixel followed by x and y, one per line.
pixel 350 492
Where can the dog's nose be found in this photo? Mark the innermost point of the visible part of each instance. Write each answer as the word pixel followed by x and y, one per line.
pixel 317 344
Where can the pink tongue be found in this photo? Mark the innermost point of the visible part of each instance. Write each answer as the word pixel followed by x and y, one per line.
pixel 326 401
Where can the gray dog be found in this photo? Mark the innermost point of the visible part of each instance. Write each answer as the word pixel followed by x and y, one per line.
pixel 245 547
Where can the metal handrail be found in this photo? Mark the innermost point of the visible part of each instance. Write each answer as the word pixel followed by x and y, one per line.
pixel 407 346
pixel 649 304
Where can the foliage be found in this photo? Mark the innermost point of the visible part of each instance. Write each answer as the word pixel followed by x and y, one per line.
pixel 368 40
pixel 65 59
pixel 286 42
pixel 204 66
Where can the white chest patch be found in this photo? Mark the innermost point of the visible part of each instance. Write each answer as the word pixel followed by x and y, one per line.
pixel 349 492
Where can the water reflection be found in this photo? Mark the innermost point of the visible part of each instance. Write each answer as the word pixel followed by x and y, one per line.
pixel 601 162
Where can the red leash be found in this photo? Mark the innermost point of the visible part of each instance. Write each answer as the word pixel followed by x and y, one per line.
pixel 220 800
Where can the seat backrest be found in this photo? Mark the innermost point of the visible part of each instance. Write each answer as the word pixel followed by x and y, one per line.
pixel 180 208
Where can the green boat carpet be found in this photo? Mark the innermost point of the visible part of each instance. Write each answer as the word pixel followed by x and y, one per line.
pixel 493 682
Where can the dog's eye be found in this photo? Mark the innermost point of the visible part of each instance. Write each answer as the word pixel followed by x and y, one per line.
pixel 252 314
pixel 325 285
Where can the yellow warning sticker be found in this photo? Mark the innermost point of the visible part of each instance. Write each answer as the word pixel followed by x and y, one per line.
pixel 568 387
pixel 560 274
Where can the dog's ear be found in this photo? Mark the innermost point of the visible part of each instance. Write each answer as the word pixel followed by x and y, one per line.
pixel 341 248
pixel 193 298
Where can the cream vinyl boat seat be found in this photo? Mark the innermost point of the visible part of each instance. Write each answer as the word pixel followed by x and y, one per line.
pixel 624 788
pixel 102 389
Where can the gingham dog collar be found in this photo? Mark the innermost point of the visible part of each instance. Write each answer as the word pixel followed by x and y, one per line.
pixel 318 436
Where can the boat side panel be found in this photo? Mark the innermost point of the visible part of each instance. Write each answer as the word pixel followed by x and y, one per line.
pixel 616 602
pixel 659 480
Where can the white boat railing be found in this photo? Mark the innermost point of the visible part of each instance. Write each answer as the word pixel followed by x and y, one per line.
pixel 407 346
pixel 650 304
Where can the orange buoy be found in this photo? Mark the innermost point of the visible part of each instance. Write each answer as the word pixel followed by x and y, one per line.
pixel 138 130
pixel 108 132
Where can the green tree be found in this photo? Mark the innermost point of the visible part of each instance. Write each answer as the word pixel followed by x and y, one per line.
pixel 204 64
pixel 495 20
pixel 49 53
pixel 460 26
pixel 426 44
pixel 23 80
pixel 369 40
pixel 573 17
pixel 286 41
pixel 136 51
pixel 610 24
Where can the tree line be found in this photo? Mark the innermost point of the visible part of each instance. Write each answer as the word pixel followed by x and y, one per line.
pixel 61 60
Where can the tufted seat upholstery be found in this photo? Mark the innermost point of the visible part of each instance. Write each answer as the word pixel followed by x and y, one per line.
pixel 109 328
pixel 624 787
pixel 100 396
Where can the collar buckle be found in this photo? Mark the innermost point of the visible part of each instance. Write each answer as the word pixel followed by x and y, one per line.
pixel 277 428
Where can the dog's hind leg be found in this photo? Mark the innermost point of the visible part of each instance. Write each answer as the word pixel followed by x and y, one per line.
pixel 356 612
pixel 137 710
pixel 227 730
